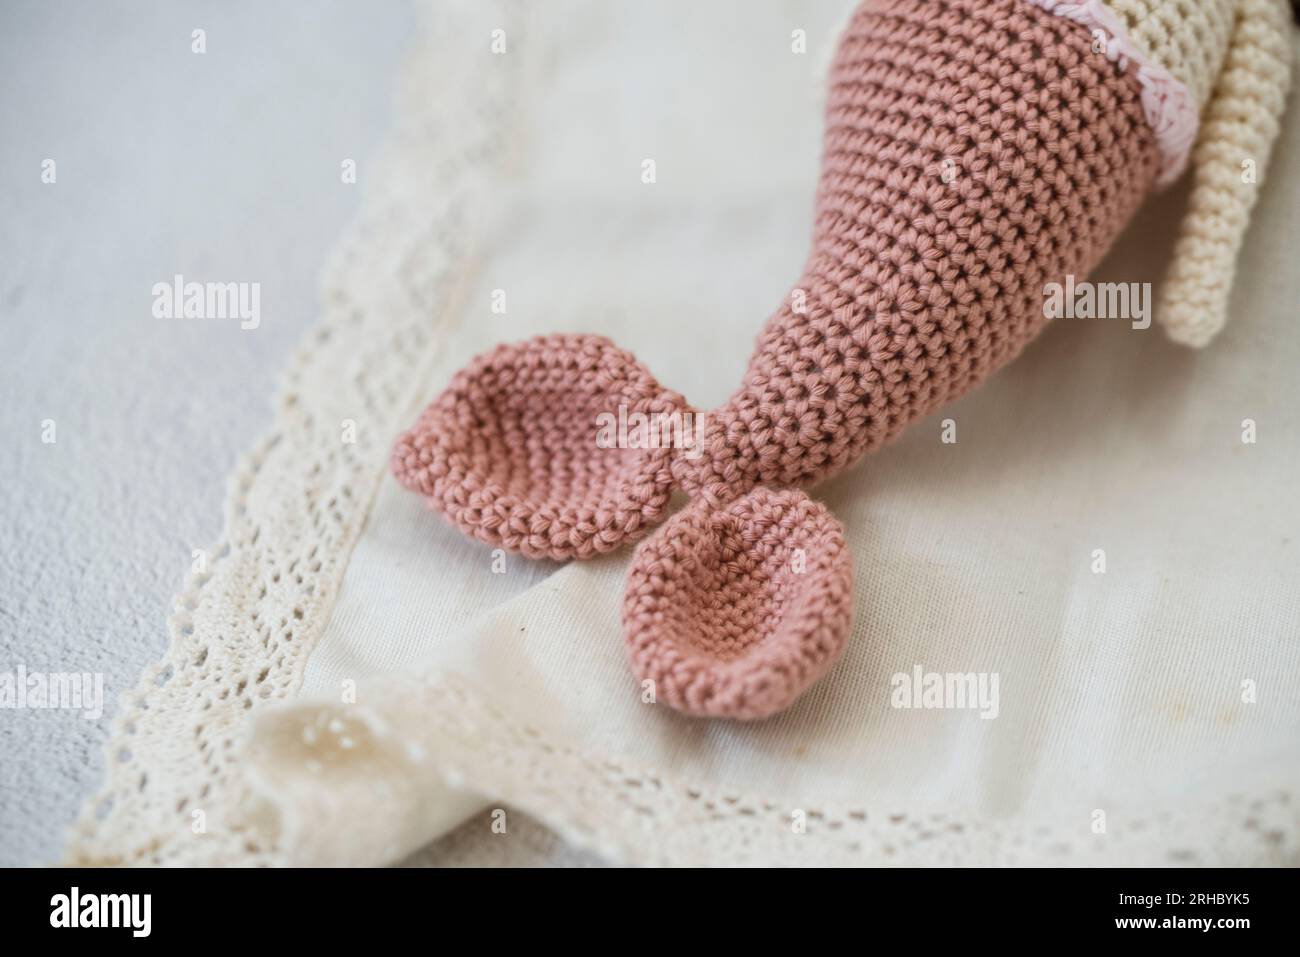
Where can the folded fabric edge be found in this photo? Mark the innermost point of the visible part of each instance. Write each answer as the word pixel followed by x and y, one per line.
pixel 373 784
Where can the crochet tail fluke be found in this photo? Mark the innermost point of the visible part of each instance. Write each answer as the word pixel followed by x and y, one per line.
pixel 975 151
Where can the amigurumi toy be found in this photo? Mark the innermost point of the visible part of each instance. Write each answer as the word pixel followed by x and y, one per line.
pixel 975 151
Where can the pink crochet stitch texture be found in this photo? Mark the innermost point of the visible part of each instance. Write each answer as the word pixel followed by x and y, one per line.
pixel 715 580
pixel 975 150
pixel 508 451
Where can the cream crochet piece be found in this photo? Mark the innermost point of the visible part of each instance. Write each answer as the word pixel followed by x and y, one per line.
pixel 1234 58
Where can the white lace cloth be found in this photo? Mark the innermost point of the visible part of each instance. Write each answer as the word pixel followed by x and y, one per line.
pixel 426 686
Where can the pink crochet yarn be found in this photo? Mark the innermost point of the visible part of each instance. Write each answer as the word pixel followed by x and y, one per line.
pixel 920 284
pixel 508 451
pixel 975 151
pixel 733 610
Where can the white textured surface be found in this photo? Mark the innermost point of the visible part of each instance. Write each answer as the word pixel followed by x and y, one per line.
pixel 222 166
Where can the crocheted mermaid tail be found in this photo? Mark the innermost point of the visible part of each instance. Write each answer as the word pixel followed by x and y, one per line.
pixel 975 151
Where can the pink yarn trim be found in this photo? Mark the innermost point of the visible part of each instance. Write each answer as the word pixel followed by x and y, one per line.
pixel 1167 102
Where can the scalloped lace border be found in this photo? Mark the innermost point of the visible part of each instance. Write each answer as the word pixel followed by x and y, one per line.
pixel 354 784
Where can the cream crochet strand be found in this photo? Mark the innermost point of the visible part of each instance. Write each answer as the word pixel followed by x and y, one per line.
pixel 1229 162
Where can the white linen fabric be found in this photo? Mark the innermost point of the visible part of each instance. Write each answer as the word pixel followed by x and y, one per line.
pixel 1146 713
